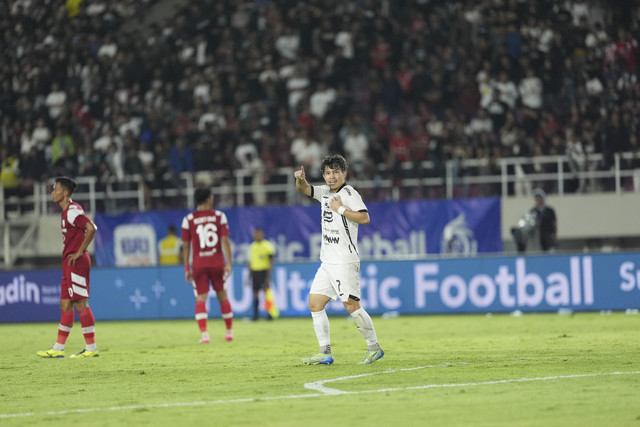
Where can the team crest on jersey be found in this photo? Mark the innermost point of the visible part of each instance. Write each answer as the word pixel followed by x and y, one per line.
pixel 327 214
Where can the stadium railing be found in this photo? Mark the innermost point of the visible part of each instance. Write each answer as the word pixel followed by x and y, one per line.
pixel 457 178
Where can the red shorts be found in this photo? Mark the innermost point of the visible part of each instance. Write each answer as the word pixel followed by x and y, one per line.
pixel 75 278
pixel 202 276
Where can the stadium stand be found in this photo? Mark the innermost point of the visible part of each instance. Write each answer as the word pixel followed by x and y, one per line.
pixel 426 99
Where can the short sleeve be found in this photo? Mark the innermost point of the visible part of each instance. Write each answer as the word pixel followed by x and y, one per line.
pixel 352 199
pixel 319 191
pixel 185 236
pixel 224 224
pixel 76 217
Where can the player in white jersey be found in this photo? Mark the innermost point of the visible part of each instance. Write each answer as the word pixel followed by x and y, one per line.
pixel 338 276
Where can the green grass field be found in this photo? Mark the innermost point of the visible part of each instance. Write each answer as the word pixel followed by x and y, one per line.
pixel 538 369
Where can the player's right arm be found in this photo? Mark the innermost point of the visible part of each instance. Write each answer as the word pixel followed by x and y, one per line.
pixel 301 182
pixel 89 231
pixel 186 249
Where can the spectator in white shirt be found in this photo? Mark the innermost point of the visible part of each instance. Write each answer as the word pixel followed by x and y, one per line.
pixel 269 73
pixel 147 157
pixel 244 152
pixel 108 49
pixel 308 152
pixel 55 101
pixel 344 40
pixel 530 89
pixel 508 90
pixel 131 124
pixel 202 90
pixel 355 147
pixel 481 123
pixel 213 116
pixel 287 43
pixel 579 11
pixel 115 160
pixel 575 151
pixel 42 134
pixel 297 85
pixel 321 100
pixel 435 127
pixel 546 37
pixel 105 140
pixel 27 141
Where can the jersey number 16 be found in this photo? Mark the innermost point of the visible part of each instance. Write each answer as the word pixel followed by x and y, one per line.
pixel 208 234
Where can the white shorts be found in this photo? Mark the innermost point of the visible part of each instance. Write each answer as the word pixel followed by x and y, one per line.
pixel 337 281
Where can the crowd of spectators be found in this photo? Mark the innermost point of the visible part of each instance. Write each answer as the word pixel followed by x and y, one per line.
pixel 226 84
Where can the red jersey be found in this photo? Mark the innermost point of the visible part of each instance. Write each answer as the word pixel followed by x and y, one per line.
pixel 204 230
pixel 73 228
pixel 400 147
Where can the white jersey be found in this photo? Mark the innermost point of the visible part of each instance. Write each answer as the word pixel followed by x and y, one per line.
pixel 339 234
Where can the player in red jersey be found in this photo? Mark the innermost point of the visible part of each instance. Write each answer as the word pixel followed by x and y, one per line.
pixel 205 234
pixel 77 233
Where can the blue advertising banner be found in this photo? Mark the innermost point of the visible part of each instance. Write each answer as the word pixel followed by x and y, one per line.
pixel 30 296
pixel 417 228
pixel 428 286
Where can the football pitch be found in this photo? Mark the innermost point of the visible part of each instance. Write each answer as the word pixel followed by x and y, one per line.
pixel 537 369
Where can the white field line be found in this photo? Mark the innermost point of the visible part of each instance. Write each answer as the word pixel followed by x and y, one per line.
pixel 326 391
pixel 318 385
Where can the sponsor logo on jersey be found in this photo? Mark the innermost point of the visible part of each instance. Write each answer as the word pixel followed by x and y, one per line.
pixel 329 239
pixel 208 253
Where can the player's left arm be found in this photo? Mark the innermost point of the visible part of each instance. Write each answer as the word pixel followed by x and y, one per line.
pixel 360 217
pixel 226 248
pixel 186 252
pixel 89 232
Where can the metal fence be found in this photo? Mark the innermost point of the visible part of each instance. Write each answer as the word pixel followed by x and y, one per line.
pixel 455 178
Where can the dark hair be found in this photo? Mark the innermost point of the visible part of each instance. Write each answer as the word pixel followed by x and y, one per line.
pixel 201 195
pixel 171 229
pixel 67 183
pixel 334 162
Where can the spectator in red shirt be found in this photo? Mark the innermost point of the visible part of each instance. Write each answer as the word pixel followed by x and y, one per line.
pixel 380 52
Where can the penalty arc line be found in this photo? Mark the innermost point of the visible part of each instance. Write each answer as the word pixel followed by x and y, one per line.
pixel 302 396
pixel 319 385
pixel 331 392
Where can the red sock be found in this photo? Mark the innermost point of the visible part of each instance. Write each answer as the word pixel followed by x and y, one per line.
pixel 201 315
pixel 88 325
pixel 64 328
pixel 227 314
